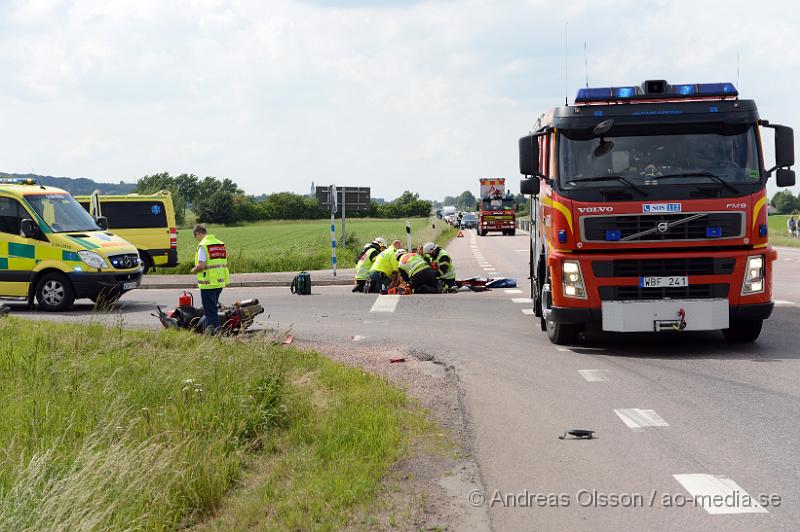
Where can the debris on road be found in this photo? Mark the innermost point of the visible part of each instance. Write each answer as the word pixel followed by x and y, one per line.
pixel 578 434
pixel 289 339
pixel 394 360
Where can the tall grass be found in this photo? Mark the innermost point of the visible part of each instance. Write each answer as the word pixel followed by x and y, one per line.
pixel 302 245
pixel 109 429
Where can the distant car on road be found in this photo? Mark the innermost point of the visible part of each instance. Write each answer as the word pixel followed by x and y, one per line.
pixel 469 221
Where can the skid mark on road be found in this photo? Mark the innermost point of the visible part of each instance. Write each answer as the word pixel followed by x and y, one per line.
pixel 594 375
pixel 706 489
pixel 385 304
pixel 637 418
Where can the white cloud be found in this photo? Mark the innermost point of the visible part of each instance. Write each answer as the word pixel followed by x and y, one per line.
pixel 427 96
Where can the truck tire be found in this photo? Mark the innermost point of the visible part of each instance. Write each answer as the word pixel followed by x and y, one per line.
pixel 562 333
pixel 743 331
pixel 512 232
pixel 54 292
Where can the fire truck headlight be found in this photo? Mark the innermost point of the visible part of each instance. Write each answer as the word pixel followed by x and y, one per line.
pixel 572 279
pixel 754 275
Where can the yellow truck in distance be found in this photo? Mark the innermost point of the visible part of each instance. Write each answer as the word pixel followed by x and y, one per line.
pixel 145 220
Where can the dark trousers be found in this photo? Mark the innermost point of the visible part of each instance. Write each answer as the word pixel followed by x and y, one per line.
pixel 378 281
pixel 450 283
pixel 424 282
pixel 359 287
pixel 210 298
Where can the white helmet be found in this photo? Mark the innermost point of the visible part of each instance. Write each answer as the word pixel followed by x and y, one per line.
pixel 428 247
pixel 380 241
pixel 400 253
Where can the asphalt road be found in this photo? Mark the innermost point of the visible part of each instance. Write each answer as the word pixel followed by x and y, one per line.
pixel 675 415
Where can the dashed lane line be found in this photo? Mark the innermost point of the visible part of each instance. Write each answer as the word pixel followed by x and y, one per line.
pixel 719 495
pixel 527 311
pixel 594 375
pixel 512 291
pixel 522 300
pixel 357 338
pixel 385 304
pixel 637 418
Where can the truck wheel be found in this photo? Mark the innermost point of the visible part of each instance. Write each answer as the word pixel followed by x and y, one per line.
pixel 562 333
pixel 54 292
pixel 743 331
pixel 512 232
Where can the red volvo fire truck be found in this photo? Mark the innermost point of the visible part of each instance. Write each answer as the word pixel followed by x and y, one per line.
pixel 650 211
pixel 496 207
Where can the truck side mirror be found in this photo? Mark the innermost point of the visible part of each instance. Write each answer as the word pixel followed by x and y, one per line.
pixel 102 222
pixel 784 146
pixel 28 228
pixel 784 177
pixel 530 187
pixel 529 155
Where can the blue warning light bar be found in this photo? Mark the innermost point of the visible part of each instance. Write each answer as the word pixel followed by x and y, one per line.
pixel 657 90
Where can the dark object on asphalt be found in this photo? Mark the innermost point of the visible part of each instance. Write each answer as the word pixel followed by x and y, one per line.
pixel 4 310
pixel 502 282
pixel 233 319
pixel 301 284
pixel 579 434
pixel 396 359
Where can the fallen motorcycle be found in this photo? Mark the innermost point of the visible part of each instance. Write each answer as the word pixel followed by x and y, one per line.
pixel 233 319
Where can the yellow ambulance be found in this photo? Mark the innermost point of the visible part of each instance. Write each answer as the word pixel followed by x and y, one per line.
pixel 145 220
pixel 52 251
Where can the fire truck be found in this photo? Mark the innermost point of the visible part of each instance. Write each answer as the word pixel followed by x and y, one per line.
pixel 495 207
pixel 649 206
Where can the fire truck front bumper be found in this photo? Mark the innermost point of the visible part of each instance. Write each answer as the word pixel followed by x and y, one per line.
pixel 660 315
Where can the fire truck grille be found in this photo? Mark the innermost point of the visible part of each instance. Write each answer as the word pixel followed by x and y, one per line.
pixel 663 267
pixel 636 293
pixel 663 227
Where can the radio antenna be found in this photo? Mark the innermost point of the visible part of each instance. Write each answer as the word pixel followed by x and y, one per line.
pixel 566 32
pixel 737 70
pixel 586 64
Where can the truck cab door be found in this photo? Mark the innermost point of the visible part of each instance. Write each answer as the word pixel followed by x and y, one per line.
pixel 17 253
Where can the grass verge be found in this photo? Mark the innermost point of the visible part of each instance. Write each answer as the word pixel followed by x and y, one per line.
pixel 779 234
pixel 105 428
pixel 283 246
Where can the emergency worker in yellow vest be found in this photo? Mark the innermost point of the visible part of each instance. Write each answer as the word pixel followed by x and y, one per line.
pixel 417 272
pixel 383 268
pixel 445 268
pixel 211 267
pixel 365 261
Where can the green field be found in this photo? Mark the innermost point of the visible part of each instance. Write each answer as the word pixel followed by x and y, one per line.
pixel 110 429
pixel 778 234
pixel 284 246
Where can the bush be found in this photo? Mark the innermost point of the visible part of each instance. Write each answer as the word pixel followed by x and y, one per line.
pixel 219 208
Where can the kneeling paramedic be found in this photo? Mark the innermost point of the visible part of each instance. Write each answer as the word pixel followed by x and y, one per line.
pixel 365 261
pixel 211 267
pixel 416 272
pixel 442 261
pixel 385 265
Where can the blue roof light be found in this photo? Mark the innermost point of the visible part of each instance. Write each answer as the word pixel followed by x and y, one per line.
pixel 717 89
pixel 624 92
pixel 683 90
pixel 591 95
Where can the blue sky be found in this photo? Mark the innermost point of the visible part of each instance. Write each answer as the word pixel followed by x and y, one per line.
pixel 396 95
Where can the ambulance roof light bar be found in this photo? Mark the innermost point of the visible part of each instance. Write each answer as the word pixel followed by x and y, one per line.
pixel 657 89
pixel 18 181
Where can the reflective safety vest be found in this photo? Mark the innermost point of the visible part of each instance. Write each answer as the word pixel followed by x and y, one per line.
pixel 386 262
pixel 412 264
pixel 451 272
pixel 365 263
pixel 215 274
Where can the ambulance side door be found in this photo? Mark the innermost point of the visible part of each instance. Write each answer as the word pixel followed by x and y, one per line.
pixel 17 254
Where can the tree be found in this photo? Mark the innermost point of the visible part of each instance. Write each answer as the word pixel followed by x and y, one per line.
pixel 785 202
pixel 289 206
pixel 407 205
pixel 150 184
pixel 218 208
pixel 466 200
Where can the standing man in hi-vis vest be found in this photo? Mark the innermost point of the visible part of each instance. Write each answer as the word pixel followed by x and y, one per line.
pixel 211 267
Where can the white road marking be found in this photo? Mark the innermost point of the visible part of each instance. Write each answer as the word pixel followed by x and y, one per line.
pixel 562 349
pixel 527 311
pixel 521 250
pixel 385 304
pixel 784 303
pixel 719 495
pixel 512 291
pixel 357 338
pixel 594 375
pixel 637 418
pixel 490 269
pixel 522 300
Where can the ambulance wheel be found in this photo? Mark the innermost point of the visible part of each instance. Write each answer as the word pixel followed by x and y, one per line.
pixel 146 262
pixel 743 331
pixel 562 333
pixel 54 292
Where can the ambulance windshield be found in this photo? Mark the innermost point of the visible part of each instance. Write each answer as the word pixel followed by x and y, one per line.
pixel 61 212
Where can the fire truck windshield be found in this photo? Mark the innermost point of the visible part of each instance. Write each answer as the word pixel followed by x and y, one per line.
pixel 642 158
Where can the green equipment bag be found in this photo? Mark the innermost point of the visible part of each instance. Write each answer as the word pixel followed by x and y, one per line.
pixel 301 284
